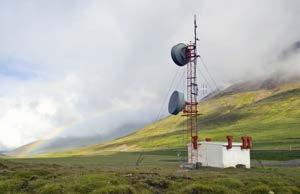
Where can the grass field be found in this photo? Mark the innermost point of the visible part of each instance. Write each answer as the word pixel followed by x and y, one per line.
pixel 159 172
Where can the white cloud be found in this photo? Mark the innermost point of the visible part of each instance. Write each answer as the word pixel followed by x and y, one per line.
pixel 20 124
pixel 92 66
pixel 47 107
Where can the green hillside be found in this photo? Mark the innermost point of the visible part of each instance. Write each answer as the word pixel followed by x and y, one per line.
pixel 270 116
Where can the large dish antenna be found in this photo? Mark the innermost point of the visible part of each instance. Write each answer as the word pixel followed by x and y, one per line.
pixel 176 103
pixel 179 54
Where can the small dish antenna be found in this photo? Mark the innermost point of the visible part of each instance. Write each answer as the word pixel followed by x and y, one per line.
pixel 179 54
pixel 176 103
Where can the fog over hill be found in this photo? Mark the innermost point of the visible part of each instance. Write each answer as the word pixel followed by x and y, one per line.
pixel 2 147
pixel 86 68
pixel 270 80
pixel 56 144
pixel 261 83
pixel 60 144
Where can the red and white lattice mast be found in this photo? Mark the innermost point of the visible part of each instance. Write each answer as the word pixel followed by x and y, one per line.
pixel 182 55
pixel 233 154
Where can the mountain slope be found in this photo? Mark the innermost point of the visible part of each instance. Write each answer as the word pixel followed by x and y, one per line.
pixel 270 116
pixel 57 144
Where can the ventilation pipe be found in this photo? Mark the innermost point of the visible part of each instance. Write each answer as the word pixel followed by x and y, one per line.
pixel 249 142
pixel 208 139
pixel 195 142
pixel 246 142
pixel 229 142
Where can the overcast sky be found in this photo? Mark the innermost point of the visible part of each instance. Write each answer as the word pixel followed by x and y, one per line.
pixel 79 68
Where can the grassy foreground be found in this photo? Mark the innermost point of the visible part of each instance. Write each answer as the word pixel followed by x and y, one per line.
pixel 158 172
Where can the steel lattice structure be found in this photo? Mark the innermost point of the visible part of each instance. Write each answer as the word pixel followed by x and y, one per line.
pixel 186 55
pixel 191 108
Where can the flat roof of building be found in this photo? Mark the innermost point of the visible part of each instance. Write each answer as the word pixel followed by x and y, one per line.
pixel 218 143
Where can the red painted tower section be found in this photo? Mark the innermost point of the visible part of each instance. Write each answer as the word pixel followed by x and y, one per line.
pixel 191 108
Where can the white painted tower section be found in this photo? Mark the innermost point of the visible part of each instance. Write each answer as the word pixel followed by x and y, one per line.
pixel 215 154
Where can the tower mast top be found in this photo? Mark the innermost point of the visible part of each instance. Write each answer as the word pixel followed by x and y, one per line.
pixel 195 30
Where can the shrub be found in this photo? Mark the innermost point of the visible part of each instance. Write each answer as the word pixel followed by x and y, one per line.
pixel 3 166
pixel 84 188
pixel 13 185
pixel 206 189
pixel 23 174
pixel 260 189
pixel 3 187
pixel 158 183
pixel 88 183
pixel 51 188
pixel 287 190
pixel 118 189
pixel 230 182
pixel 35 185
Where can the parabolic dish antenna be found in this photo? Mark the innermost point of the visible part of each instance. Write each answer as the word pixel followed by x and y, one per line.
pixel 179 54
pixel 176 103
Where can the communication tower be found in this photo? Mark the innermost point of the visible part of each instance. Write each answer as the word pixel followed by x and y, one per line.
pixel 205 153
pixel 186 55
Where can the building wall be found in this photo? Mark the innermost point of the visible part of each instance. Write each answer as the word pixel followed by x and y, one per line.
pixel 210 155
pixel 235 156
pixel 215 154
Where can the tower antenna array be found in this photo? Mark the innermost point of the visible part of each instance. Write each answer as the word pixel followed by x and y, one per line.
pixel 186 55
pixel 205 153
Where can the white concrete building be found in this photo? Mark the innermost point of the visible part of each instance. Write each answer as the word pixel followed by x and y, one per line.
pixel 216 154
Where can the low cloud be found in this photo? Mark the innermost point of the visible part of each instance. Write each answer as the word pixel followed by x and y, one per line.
pixel 80 68
pixel 292 50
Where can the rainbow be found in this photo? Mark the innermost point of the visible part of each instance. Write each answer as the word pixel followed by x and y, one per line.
pixel 53 133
